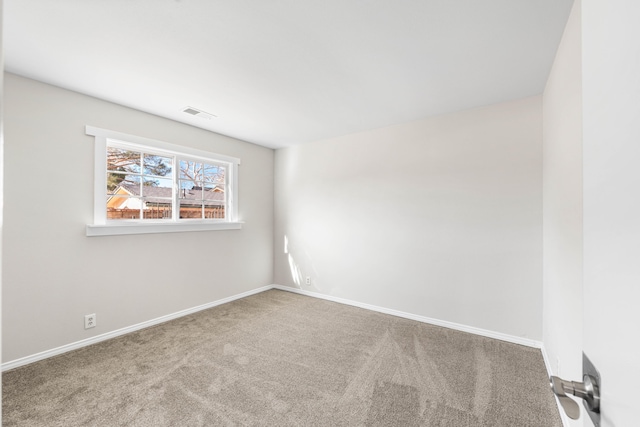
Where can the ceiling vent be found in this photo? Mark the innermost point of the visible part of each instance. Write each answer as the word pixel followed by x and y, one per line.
pixel 198 113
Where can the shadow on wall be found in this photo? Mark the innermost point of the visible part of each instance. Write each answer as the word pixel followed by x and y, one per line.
pixel 303 273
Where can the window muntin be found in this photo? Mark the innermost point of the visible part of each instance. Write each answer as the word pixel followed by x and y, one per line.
pixel 143 179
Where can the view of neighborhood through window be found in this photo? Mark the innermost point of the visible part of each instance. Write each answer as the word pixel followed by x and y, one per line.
pixel 144 185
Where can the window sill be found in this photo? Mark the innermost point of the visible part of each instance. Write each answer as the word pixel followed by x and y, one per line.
pixel 153 228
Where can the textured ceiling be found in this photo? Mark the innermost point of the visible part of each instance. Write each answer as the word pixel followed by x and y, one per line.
pixel 283 72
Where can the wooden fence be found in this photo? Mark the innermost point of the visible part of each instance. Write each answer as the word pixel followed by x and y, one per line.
pixel 164 212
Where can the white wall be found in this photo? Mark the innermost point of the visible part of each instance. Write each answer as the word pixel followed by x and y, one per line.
pixel 562 205
pixel 53 274
pixel 440 217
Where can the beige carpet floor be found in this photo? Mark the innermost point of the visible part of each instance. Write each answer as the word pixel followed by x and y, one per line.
pixel 281 359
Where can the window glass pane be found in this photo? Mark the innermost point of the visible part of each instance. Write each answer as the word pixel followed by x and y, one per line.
pixel 113 180
pixel 188 184
pixel 214 174
pixel 190 170
pixel 190 210
pixel 190 190
pixel 157 182
pixel 125 184
pixel 156 165
pixel 121 207
pixel 158 198
pixel 123 160
pixel 158 209
pixel 209 187
pixel 157 187
pixel 195 193
pixel 213 210
pixel 213 196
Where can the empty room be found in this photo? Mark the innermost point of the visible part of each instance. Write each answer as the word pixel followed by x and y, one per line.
pixel 337 213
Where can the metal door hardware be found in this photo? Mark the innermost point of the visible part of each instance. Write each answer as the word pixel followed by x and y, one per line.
pixel 588 391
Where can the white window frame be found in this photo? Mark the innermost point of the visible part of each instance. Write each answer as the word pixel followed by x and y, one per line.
pixel 103 227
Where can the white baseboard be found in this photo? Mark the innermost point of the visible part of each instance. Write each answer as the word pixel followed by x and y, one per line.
pixel 451 325
pixel 547 364
pixel 113 334
pixel 98 338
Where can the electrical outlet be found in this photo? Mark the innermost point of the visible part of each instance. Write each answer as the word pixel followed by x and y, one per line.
pixel 90 321
pixel 308 280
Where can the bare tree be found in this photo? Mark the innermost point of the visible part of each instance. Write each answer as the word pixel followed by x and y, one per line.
pixel 127 167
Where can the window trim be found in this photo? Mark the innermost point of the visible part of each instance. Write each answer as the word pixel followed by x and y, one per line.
pixel 102 227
